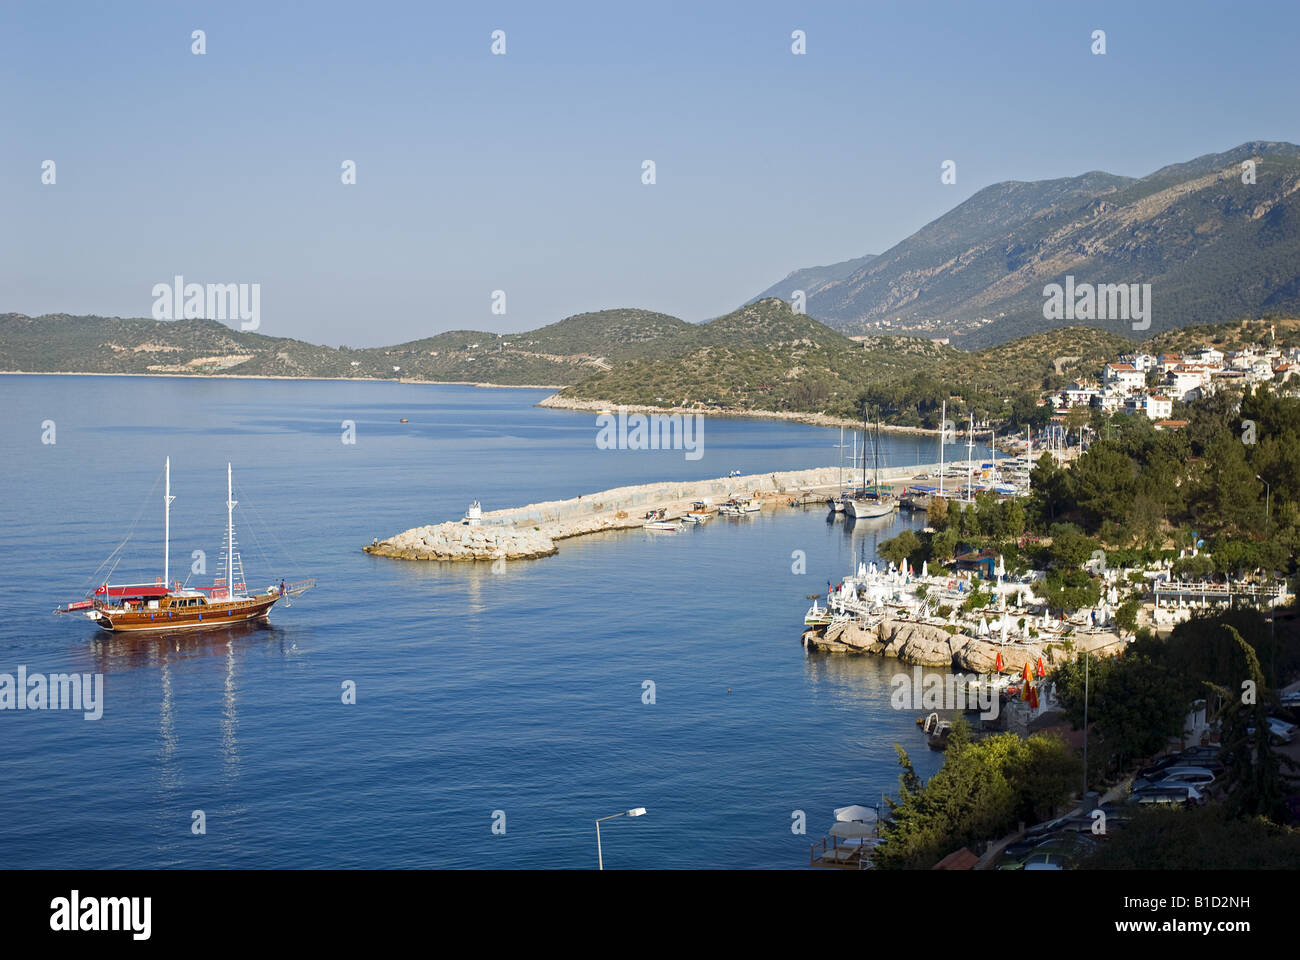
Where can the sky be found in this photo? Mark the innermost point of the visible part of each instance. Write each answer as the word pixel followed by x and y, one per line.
pixel 523 172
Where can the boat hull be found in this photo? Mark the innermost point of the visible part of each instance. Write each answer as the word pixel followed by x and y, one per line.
pixel 868 509
pixel 204 617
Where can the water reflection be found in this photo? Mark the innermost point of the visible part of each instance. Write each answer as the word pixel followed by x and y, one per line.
pixel 229 718
pixel 120 652
pixel 169 774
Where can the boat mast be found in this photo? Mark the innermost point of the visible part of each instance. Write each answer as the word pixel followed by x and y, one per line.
pixel 875 453
pixel 1029 456
pixel 943 420
pixel 230 536
pixel 167 520
pixel 864 449
pixel 970 460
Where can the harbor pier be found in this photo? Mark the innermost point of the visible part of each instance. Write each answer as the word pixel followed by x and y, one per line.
pixel 530 531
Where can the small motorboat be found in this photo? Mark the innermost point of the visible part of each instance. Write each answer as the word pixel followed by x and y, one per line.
pixel 658 520
pixel 699 513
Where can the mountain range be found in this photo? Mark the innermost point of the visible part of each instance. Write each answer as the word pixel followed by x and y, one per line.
pixel 1214 238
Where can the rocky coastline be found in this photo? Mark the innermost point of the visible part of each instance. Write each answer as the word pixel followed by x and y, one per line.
pixel 927 645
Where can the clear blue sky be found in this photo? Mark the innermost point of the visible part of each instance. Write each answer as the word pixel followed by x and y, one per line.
pixel 523 172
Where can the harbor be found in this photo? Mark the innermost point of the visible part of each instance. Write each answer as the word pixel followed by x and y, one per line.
pixel 532 531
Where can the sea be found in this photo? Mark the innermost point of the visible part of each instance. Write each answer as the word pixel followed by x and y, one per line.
pixel 414 714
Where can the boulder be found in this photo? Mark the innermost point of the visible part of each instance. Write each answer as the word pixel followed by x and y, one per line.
pixel 980 656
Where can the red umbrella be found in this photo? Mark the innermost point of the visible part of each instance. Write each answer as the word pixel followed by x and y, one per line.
pixel 1024 675
pixel 998 665
pixel 1041 671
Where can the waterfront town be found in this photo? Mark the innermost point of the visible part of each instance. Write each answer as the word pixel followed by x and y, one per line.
pixel 1141 569
pixel 1140 383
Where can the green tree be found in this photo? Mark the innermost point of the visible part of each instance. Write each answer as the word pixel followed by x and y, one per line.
pixel 1256 783
pixel 898 549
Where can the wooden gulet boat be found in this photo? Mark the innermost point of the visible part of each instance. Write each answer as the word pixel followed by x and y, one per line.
pixel 168 606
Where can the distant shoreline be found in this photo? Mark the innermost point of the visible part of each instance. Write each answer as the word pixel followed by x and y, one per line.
pixel 247 376
pixel 553 402
pixel 556 402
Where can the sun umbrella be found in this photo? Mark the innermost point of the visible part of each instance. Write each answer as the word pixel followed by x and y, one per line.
pixel 925 568
pixel 1041 671
pixel 998 664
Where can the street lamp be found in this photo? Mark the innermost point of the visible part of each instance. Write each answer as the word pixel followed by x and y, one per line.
pixel 1083 798
pixel 1268 498
pixel 634 812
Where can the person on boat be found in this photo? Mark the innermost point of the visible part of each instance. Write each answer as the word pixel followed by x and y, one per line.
pixel 282 586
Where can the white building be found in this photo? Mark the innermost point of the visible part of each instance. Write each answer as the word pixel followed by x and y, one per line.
pixel 1157 407
pixel 1124 377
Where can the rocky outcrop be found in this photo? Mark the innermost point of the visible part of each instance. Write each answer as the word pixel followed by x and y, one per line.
pixel 920 643
pixel 917 643
pixel 981 656
pixel 457 541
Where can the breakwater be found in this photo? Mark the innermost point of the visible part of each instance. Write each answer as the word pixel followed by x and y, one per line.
pixel 929 645
pixel 530 531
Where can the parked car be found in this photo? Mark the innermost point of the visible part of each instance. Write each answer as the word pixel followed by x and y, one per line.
pixel 1164 763
pixel 1278 730
pixel 1034 836
pixel 1197 776
pixel 1202 756
pixel 1045 861
pixel 1187 758
pixel 1173 793
pixel 1062 847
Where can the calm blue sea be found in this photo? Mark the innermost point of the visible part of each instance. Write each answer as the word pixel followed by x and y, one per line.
pixel 476 692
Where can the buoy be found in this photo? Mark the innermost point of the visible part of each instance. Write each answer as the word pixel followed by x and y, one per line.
pixel 404 420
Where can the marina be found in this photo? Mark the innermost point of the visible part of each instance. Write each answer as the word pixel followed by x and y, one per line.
pixel 532 531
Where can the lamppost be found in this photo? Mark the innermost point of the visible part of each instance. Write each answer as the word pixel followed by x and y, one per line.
pixel 1083 798
pixel 634 812
pixel 1268 498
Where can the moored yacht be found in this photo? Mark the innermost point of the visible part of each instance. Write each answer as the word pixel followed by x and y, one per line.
pixel 167 605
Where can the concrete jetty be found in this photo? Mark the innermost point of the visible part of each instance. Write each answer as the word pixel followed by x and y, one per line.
pixel 531 531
